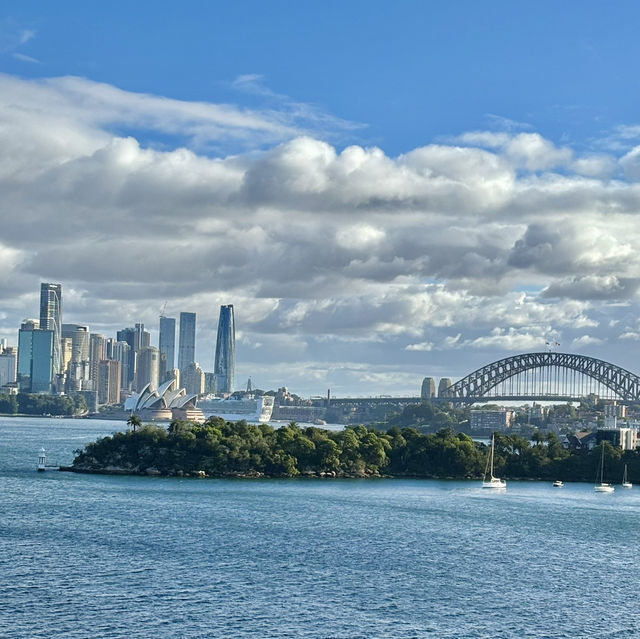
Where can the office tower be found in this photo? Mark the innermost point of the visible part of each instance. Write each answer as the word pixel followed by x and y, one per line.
pixel 225 361
pixel 66 349
pixel 187 343
pixel 137 338
pixel 210 383
pixel 42 352
pixel 142 338
pixel 97 353
pixel 25 342
pixel 147 368
pixel 120 353
pixel 8 361
pixel 192 378
pixel 51 320
pixel 79 335
pixel 108 347
pixel 167 340
pixel 109 372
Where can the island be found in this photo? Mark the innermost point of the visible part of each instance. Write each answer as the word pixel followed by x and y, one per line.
pixel 217 448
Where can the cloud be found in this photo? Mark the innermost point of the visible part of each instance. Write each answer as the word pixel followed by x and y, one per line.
pixel 422 347
pixel 455 253
pixel 593 287
pixel 25 58
pixel 586 340
pixel 13 35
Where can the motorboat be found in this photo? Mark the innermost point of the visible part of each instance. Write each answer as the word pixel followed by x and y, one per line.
pixel 558 483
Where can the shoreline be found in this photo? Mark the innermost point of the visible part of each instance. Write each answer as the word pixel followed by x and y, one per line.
pixel 309 475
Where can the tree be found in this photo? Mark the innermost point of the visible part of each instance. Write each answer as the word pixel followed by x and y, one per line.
pixel 134 421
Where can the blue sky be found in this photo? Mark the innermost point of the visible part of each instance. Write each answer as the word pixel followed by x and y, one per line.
pixel 408 72
pixel 384 191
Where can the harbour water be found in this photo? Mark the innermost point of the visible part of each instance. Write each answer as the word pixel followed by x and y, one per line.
pixel 121 557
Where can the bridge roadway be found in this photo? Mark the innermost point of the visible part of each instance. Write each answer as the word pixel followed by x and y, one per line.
pixel 404 401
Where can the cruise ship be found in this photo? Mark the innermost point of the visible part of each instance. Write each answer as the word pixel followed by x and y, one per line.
pixel 250 408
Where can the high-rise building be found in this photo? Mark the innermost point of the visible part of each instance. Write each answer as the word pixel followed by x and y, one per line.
pixel 97 353
pixel 225 360
pixel 148 368
pixel 192 379
pixel 120 353
pixel 25 351
pixel 7 368
pixel 79 335
pixel 51 320
pixel 187 343
pixel 137 338
pixel 66 348
pixel 167 340
pixel 42 348
pixel 109 381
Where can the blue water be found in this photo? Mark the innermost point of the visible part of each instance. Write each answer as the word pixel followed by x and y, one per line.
pixel 119 557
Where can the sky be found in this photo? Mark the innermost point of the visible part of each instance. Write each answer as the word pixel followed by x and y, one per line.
pixel 384 191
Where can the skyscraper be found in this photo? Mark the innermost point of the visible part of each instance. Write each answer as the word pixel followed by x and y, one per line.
pixel 167 341
pixel 187 343
pixel 25 353
pixel 109 376
pixel 51 320
pixel 137 338
pixel 79 334
pixel 225 362
pixel 42 348
pixel 148 368
pixel 97 353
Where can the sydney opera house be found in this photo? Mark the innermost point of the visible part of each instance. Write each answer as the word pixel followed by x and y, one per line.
pixel 166 403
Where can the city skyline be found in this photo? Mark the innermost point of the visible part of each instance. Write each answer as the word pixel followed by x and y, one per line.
pixel 375 214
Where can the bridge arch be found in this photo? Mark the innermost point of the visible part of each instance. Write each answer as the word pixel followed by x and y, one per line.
pixel 553 376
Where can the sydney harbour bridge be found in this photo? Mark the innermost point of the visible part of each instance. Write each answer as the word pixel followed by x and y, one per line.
pixel 544 376
pixel 547 376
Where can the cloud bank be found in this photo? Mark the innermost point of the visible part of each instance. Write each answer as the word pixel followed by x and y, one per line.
pixel 348 268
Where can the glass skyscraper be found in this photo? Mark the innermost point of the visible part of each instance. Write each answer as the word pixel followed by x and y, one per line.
pixel 187 343
pixel 225 362
pixel 42 348
pixel 51 320
pixel 167 341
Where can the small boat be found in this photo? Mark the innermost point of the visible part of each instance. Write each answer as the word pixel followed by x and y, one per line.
pixel 625 480
pixel 558 483
pixel 601 486
pixel 492 482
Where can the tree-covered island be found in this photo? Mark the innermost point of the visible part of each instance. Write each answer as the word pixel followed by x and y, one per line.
pixel 222 449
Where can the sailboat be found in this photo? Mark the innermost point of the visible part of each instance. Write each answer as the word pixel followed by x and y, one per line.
pixel 492 482
pixel 600 486
pixel 625 480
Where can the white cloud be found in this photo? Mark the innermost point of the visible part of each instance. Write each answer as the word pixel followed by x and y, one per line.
pixel 422 346
pixel 586 340
pixel 333 255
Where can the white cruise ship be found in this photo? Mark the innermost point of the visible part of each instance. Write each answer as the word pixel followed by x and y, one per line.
pixel 250 408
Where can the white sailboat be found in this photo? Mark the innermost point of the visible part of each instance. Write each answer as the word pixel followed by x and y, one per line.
pixel 625 480
pixel 601 486
pixel 492 482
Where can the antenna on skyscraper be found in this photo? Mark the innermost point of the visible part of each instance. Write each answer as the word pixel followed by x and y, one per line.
pixel 163 309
